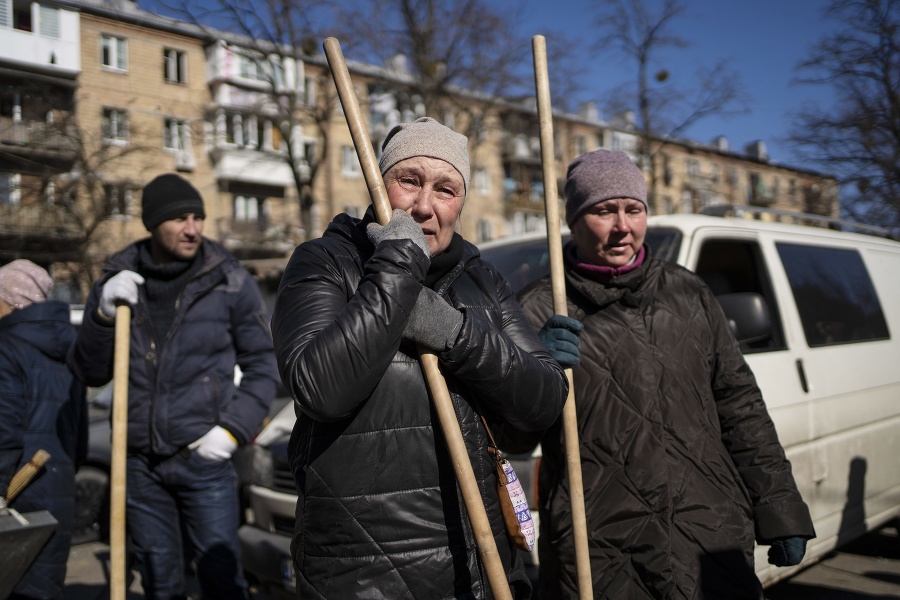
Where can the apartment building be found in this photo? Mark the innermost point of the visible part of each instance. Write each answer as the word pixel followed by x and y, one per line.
pixel 97 97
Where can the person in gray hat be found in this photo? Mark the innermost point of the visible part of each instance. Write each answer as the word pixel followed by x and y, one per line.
pixel 196 314
pixel 379 513
pixel 681 465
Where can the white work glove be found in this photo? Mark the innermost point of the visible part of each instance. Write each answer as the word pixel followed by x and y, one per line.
pixel 121 287
pixel 216 445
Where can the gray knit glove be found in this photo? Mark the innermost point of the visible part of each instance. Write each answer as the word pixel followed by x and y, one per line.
pixel 433 323
pixel 400 227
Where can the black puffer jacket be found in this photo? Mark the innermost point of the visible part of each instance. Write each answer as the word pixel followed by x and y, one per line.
pixel 177 394
pixel 42 407
pixel 379 512
pixel 680 459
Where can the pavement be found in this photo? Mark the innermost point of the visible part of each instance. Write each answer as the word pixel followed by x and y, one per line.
pixel 865 569
pixel 87 574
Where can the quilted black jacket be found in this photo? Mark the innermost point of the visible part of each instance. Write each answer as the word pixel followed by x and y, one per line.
pixel 681 462
pixel 379 512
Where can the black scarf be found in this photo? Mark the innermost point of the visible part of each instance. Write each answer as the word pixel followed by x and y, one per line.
pixel 443 263
pixel 164 284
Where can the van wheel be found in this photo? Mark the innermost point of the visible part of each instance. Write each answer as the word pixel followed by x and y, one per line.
pixel 91 505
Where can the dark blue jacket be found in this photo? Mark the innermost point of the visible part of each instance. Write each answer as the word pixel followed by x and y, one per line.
pixel 42 407
pixel 178 393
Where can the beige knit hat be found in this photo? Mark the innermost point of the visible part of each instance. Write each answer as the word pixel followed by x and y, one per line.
pixel 23 283
pixel 426 137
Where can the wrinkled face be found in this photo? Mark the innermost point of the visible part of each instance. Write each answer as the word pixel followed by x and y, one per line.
pixel 177 239
pixel 611 232
pixel 432 192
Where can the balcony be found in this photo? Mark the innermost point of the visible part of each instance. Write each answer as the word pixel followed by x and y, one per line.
pixel 38 230
pixel 256 239
pixel 37 139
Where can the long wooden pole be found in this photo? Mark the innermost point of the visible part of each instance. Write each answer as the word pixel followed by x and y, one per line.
pixel 560 306
pixel 484 538
pixel 24 476
pixel 117 551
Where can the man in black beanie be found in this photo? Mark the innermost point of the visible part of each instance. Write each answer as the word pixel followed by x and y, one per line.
pixel 196 314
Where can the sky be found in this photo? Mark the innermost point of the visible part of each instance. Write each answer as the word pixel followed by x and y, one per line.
pixel 763 40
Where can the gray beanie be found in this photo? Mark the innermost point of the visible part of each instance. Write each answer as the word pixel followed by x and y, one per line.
pixel 426 137
pixel 602 175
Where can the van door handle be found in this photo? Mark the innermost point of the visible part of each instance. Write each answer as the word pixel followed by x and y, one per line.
pixel 802 374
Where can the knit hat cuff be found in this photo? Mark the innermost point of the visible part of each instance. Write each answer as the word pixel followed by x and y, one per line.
pixel 426 137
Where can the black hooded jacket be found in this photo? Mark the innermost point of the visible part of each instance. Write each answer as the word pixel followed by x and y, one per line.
pixel 379 512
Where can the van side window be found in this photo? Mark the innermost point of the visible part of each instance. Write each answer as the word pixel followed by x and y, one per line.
pixel 834 295
pixel 732 266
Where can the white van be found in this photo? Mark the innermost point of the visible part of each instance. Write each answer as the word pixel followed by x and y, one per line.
pixel 819 311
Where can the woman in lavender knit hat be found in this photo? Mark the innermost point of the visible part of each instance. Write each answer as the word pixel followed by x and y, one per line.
pixel 682 468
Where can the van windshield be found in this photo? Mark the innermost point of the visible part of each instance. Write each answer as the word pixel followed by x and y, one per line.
pixel 664 242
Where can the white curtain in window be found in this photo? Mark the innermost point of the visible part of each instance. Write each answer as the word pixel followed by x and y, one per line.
pixel 49 21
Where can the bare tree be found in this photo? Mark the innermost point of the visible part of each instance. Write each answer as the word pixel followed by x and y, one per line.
pixel 858 138
pixel 275 35
pixel 442 51
pixel 665 109
pixel 68 198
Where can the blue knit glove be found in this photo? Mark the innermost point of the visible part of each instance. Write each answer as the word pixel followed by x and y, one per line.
pixel 560 336
pixel 787 552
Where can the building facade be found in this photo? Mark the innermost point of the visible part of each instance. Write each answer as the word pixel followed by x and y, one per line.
pixel 97 97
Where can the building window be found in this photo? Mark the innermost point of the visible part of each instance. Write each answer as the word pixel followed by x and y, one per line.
pixel 114 53
pixel 309 91
pixel 580 145
pixel 349 162
pixel 16 13
pixel 10 188
pixel 251 69
pixel 115 126
pixel 176 135
pixel 482 181
pixel 485 231
pixel 49 21
pixel 714 174
pixel 247 209
pixel 693 168
pixel 732 177
pixel 118 199
pixel 174 66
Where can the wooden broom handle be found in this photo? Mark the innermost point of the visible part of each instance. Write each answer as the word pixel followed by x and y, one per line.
pixel 484 537
pixel 24 475
pixel 560 306
pixel 117 550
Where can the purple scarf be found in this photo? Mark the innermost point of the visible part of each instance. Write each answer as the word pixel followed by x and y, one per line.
pixel 599 273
